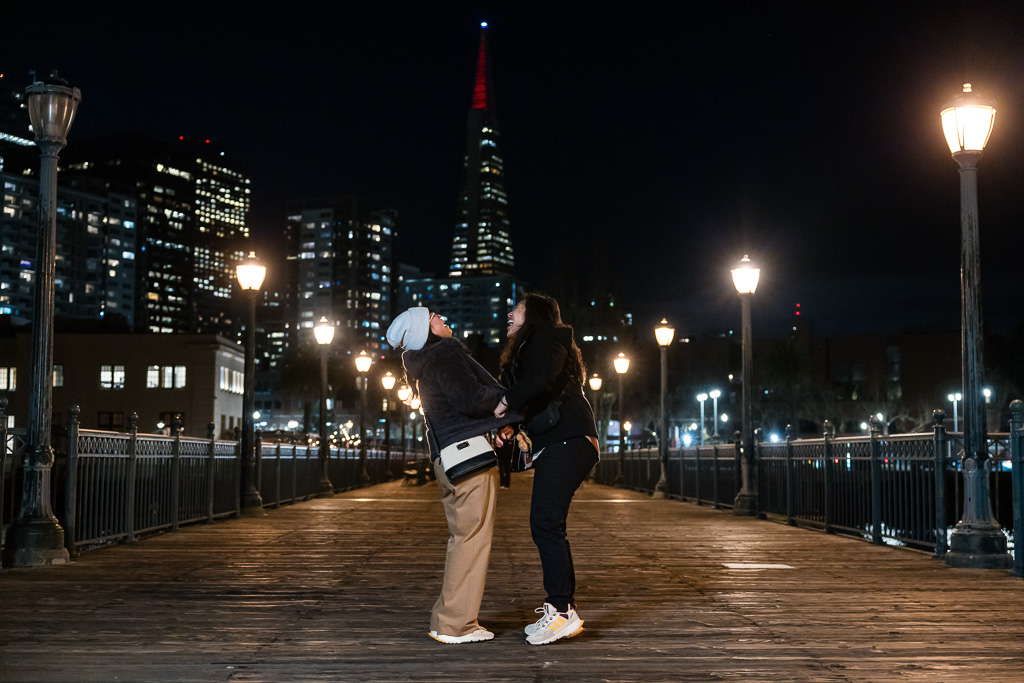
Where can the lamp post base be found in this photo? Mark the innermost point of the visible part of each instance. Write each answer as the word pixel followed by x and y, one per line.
pixel 326 490
pixel 252 505
pixel 660 489
pixel 977 546
pixel 745 505
pixel 35 544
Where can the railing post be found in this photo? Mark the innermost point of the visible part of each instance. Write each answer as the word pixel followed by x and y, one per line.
pixel 238 471
pixel 941 451
pixel 758 440
pixel 258 456
pixel 133 468
pixel 1017 478
pixel 827 499
pixel 277 474
pixel 789 476
pixel 696 479
pixel 876 480
pixel 175 472
pixel 258 448
pixel 738 447
pixel 717 505
pixel 3 463
pixel 71 485
pixel 211 470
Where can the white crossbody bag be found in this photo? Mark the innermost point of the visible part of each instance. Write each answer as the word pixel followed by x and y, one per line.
pixel 467 457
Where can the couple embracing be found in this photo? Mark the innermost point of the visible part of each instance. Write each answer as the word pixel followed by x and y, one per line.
pixel 541 365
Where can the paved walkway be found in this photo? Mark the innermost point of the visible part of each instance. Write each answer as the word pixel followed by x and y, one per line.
pixel 340 590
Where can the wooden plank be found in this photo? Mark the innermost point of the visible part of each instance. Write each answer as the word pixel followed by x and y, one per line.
pixel 340 589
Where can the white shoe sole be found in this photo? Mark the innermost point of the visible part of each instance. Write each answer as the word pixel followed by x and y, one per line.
pixel 576 632
pixel 474 637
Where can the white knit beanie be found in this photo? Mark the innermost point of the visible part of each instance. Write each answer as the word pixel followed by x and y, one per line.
pixel 410 329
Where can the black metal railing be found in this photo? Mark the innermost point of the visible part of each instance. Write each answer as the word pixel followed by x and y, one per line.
pixel 700 474
pixel 111 487
pixel 901 490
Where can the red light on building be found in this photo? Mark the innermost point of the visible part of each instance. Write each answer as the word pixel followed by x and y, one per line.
pixel 181 137
pixel 207 142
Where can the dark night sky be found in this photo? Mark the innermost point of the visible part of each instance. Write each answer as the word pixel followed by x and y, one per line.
pixel 660 139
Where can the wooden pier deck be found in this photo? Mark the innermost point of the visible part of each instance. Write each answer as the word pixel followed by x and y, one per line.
pixel 340 589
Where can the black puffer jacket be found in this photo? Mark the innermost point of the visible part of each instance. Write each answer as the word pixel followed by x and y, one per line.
pixel 532 377
pixel 457 394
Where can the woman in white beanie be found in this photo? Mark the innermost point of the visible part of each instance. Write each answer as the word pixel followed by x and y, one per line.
pixel 458 398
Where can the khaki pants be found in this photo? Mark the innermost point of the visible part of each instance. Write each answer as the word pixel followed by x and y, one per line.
pixel 469 509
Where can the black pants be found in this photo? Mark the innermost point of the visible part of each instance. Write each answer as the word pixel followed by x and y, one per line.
pixel 558 472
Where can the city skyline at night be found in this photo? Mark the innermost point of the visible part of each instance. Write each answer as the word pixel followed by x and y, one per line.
pixel 657 143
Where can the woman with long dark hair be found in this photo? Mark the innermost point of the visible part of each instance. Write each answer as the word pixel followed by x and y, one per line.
pixel 458 398
pixel 543 369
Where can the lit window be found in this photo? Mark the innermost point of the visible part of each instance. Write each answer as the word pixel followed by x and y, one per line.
pixel 111 377
pixel 8 379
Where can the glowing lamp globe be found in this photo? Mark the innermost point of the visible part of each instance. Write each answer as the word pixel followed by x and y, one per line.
pixel 595 382
pixel 967 123
pixel 324 332
pixel 363 362
pixel 663 333
pixel 745 276
pixel 251 272
pixel 388 381
pixel 621 364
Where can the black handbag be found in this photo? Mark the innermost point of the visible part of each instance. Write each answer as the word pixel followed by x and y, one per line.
pixel 547 419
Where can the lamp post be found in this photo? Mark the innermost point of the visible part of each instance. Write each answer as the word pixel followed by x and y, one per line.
pixel 663 334
pixel 388 382
pixel 250 274
pixel 977 540
pixel 404 393
pixel 35 537
pixel 745 277
pixel 324 333
pixel 363 363
pixel 702 398
pixel 714 394
pixel 621 364
pixel 595 382
pixel 955 399
pixel 627 427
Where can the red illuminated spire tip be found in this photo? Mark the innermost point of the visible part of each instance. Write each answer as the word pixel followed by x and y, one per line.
pixel 480 86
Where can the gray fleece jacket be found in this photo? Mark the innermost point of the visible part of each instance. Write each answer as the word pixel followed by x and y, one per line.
pixel 458 396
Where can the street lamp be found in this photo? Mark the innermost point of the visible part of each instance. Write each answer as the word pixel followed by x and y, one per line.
pixel 714 394
pixel 621 364
pixel 363 363
pixel 745 277
pixel 324 333
pixel 663 334
pixel 955 399
pixel 977 540
pixel 702 398
pixel 35 537
pixel 627 427
pixel 388 382
pixel 595 382
pixel 404 394
pixel 250 274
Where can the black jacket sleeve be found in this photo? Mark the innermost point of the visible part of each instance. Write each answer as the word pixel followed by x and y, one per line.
pixel 456 378
pixel 543 358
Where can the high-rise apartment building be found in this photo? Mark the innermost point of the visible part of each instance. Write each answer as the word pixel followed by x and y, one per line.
pixel 482 245
pixel 193 209
pixel 346 268
pixel 95 260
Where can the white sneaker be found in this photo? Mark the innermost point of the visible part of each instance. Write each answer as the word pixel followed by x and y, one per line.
pixel 553 625
pixel 474 637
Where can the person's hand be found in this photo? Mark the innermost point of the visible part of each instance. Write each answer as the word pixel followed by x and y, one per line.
pixel 504 434
pixel 502 408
